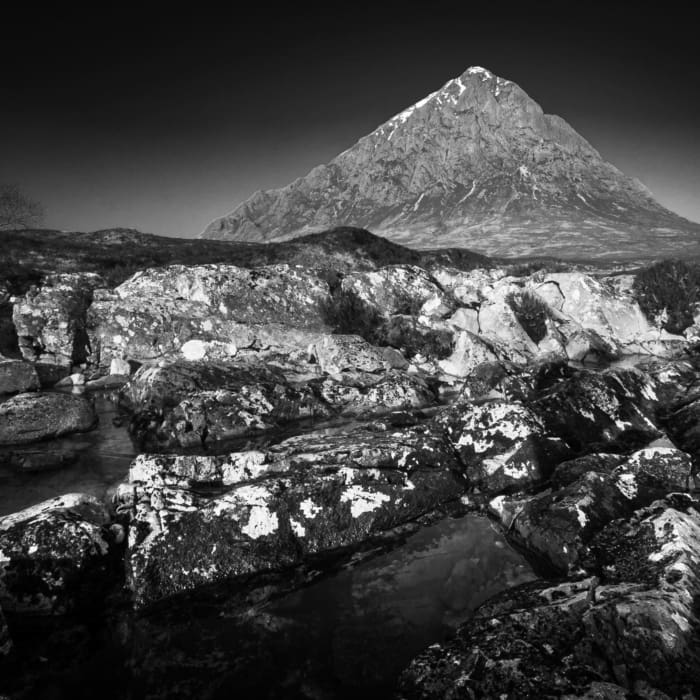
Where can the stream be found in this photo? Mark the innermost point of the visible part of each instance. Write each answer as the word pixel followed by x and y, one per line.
pixel 349 632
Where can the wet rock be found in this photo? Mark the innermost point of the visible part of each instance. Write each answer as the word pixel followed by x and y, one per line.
pixel 556 527
pixel 202 520
pixel 633 626
pixel 30 417
pixel 53 555
pixel 17 376
pixel 187 404
pixel 50 321
pixel 38 460
pixel 592 411
pixel 503 444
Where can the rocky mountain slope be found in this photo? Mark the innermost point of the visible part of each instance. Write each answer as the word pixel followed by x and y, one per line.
pixel 475 164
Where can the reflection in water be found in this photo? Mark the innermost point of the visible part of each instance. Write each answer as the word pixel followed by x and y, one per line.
pixel 103 457
pixel 352 632
pixel 374 618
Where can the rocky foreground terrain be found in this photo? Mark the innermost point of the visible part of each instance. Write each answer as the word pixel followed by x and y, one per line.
pixel 292 416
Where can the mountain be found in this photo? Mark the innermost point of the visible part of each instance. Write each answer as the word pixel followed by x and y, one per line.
pixel 476 164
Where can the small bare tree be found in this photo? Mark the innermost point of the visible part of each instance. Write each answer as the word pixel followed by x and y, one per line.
pixel 17 210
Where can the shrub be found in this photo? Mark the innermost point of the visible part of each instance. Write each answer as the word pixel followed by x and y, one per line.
pixel 405 334
pixel 531 312
pixel 346 313
pixel 669 291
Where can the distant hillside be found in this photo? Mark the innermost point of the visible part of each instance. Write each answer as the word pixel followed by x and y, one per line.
pixel 117 253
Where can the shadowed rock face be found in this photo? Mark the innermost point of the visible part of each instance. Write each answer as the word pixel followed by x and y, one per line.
pixel 627 632
pixel 476 164
pixel 52 554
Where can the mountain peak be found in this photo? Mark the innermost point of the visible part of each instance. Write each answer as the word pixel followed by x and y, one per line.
pixel 475 164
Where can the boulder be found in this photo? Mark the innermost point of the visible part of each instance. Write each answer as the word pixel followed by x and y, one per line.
pixel 557 527
pixel 51 321
pixel 30 417
pixel 53 556
pixel 398 289
pixel 17 376
pixel 469 352
pixel 594 411
pixel 203 520
pixel 342 353
pixel 502 444
pixel 631 627
pixel 205 312
pixel 389 392
pixel 190 403
pixel 499 325
pixel 604 308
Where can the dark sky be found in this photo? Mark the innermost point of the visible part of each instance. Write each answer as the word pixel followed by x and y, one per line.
pixel 162 120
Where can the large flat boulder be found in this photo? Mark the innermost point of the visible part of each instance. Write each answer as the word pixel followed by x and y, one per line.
pixel 196 521
pixel 193 403
pixel 53 556
pixel 160 312
pixel 30 417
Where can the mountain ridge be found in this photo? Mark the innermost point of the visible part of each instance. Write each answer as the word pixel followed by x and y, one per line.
pixel 475 164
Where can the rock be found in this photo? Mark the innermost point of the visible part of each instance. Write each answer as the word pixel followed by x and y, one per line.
pixel 50 321
pixel 207 312
pixel 54 555
pixel 498 324
pixel 465 320
pixel 75 379
pixel 611 313
pixel 398 289
pixel 557 527
pixel 634 626
pixel 190 403
pixel 341 353
pixel 17 376
pixel 30 417
pixel 569 471
pixel 469 352
pixel 119 366
pixel 266 510
pixel 594 411
pixel 503 444
pixel 392 391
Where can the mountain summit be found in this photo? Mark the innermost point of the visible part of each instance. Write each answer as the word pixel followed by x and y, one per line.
pixel 476 164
